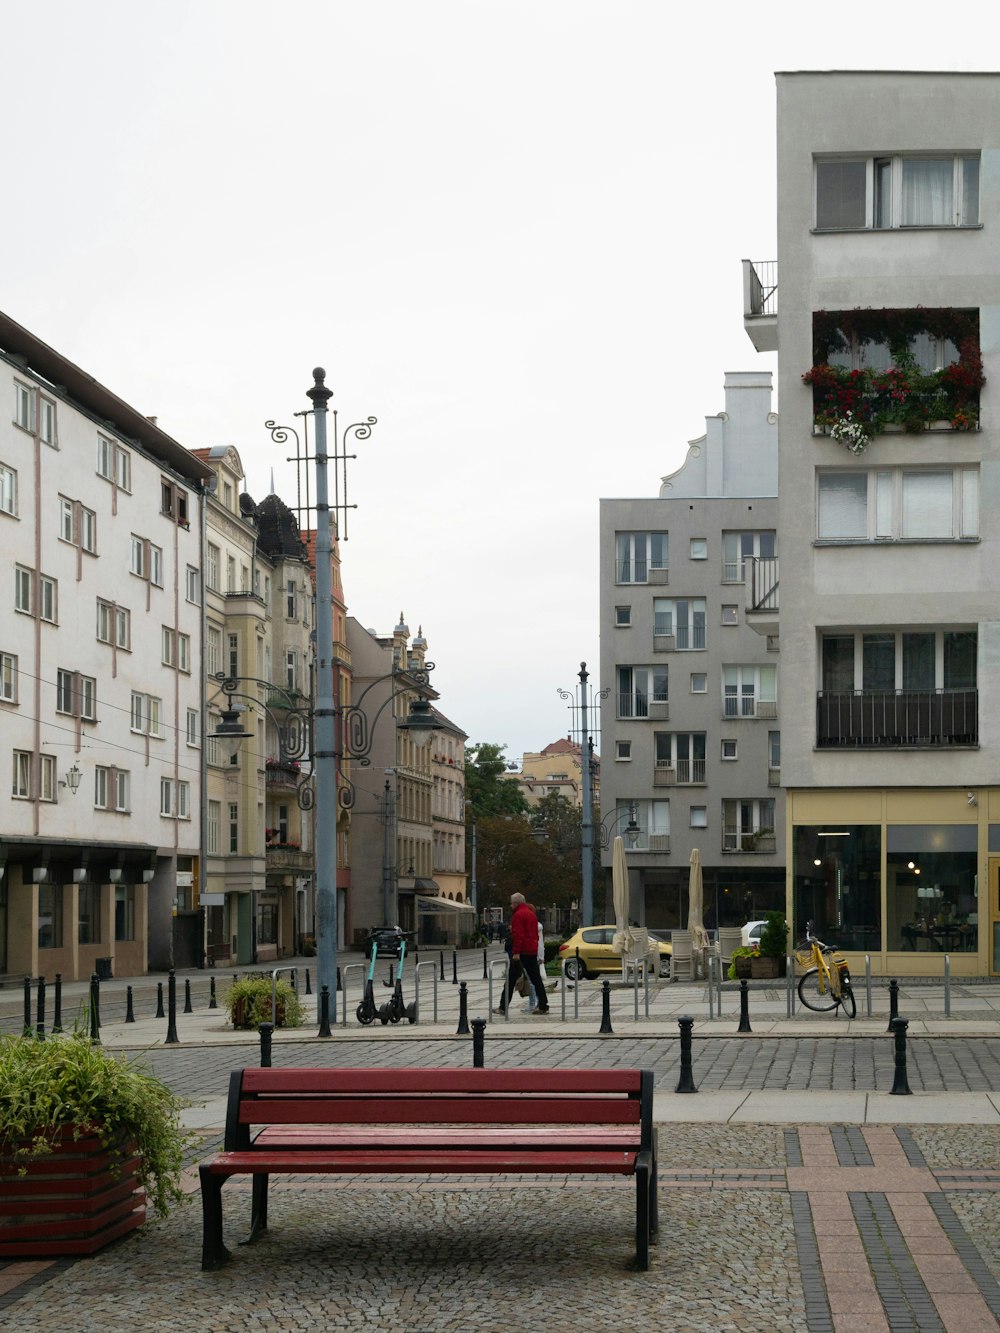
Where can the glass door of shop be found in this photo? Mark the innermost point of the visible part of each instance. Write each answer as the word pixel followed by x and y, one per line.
pixel 994 921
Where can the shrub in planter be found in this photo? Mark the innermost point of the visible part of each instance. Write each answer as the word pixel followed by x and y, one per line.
pixel 85 1138
pixel 774 936
pixel 740 962
pixel 248 1003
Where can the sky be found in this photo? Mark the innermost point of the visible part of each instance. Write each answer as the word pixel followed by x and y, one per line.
pixel 511 231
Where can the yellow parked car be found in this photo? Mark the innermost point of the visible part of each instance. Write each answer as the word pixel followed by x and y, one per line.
pixel 596 954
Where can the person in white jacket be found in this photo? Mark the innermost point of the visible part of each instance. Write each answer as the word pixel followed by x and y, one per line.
pixel 532 997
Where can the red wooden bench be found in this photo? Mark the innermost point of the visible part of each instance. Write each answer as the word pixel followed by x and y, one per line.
pixel 472 1121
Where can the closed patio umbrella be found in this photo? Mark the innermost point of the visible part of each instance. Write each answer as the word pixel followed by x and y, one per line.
pixel 622 941
pixel 696 906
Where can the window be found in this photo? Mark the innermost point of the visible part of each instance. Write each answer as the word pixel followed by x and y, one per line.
pixel 8 678
pixel 682 617
pixel 166 796
pixel 47 421
pixel 623 750
pixel 124 912
pixel 774 749
pixel 699 548
pixel 114 463
pixel 699 682
pixel 214 825
pixel 111 789
pixel 213 650
pixel 46 777
pixel 24 406
pixel 191 730
pixel 145 714
pixel 227 494
pixel 76 695
pixel 234 827
pixel 168 646
pixel 699 816
pixel 748 825
pixel 730 615
pixel 230 573
pixel 192 585
pixel 638 553
pixel 640 686
pixel 898 504
pixel 47 598
pixel 896 191
pixel 22 589
pixel 290 603
pixel 174 503
pixel 623 615
pixel 888 660
pixel 89 914
pixel 24 581
pixel 50 916
pixel 114 624
pixel 147 560
pixel 8 489
pixel 213 747
pixel 234 654
pixel 728 750
pixel 21 784
pixel 183 800
pixel 749 691
pixel 77 524
pixel 291 670
pixel 738 547
pixel 212 566
pixel 681 755
pixel 653 818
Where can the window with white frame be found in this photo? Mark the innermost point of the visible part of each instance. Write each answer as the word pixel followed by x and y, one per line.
pixel 684 618
pixel 699 816
pixel 77 524
pixel 896 190
pixel 23 587
pixel 213 650
pixel 145 714
pixel 183 652
pixel 8 490
pixel 46 777
pixel 212 566
pixel 728 750
pixel 111 789
pixel 234 654
pixel 167 797
pixel 174 502
pixel 888 660
pixel 639 552
pixel 623 615
pixel 191 729
pixel 774 749
pixel 24 406
pixel 114 463
pixel 8 678
pixel 623 750
pixel 230 573
pixel 192 585
pixel 681 754
pixel 213 827
pixel 699 548
pixel 749 691
pixel 290 600
pixel 699 682
pixel 48 600
pixel 76 694
pixel 168 646
pixel 898 504
pixel 653 819
pixel 738 547
pixel 746 822
pixel 291 670
pixel 730 614
pixel 21 785
pixel 114 624
pixel 183 800
pixel 640 686
pixel 47 421
pixel 234 827
pixel 175 799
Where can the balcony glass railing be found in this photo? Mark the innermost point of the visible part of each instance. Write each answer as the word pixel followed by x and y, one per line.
pixel 690 637
pixel 637 705
pixel 929 719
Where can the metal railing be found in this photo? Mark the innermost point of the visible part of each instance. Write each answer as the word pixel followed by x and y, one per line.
pixel 930 719
pixel 763 591
pixel 760 287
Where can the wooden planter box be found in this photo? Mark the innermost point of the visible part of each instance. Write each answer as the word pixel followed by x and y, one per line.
pixel 240 1019
pixel 74 1200
pixel 767 967
pixel 742 964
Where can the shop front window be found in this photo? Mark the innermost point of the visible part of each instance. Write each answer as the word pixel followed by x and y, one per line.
pixel 931 888
pixel 838 884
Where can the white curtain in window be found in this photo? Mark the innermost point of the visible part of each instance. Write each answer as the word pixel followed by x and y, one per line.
pixel 927 191
pixel 927 504
pixel 843 504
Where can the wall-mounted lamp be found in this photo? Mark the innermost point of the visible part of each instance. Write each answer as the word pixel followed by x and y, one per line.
pixel 72 780
pixel 115 875
pixel 147 876
pixel 79 874
pixel 39 874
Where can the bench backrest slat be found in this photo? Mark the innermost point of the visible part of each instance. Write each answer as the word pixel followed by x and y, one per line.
pixel 621 1081
pixel 299 1110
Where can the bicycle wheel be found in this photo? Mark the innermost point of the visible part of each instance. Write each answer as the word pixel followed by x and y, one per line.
pixel 847 1000
pixel 811 995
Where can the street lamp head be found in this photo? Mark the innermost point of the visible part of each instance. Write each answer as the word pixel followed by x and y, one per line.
pixel 230 727
pixel 420 724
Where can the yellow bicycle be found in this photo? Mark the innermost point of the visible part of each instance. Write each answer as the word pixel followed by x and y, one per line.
pixel 826 983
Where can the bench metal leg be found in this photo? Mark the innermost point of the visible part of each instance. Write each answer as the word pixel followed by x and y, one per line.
pixel 642 1214
pixel 213 1253
pixel 654 1206
pixel 258 1213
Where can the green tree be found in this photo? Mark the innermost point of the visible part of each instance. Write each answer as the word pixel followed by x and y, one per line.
pixel 487 791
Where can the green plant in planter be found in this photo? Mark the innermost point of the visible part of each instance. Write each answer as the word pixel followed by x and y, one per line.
pixel 774 936
pixel 741 951
pixel 64 1083
pixel 248 1003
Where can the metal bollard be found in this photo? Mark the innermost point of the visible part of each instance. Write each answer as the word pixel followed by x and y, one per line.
pixel 27 1005
pixel 900 1087
pixel 463 1010
pixel 441 960
pixel 324 1012
pixel 711 995
pixel 478 1042
pixel 454 967
pixel 868 985
pixel 212 1002
pixel 340 984
pixel 172 1037
pixel 947 985
pixel 686 1081
pixel 744 1006
pixel 266 1031
pixel 129 1013
pixel 40 1024
pixel 309 989
pixel 606 1027
pixel 159 1001
pixel 187 996
pixel 893 1002
pixel 95 1010
pixel 486 974
pixel 57 1015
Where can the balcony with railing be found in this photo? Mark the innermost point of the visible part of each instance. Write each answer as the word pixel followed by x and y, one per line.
pixel 749 705
pixel 281 776
pixel 760 842
pixel 762 593
pixel 760 303
pixel 634 704
pixel 905 719
pixel 287 859
pixel 681 773
pixel 641 571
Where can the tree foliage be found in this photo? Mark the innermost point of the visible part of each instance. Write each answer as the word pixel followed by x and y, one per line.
pixel 488 792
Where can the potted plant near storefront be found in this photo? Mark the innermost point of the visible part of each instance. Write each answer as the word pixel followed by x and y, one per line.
pixel 85 1140
pixel 741 961
pixel 248 1003
pixel 773 944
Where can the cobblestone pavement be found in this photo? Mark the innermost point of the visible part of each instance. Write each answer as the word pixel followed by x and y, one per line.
pixel 812 1229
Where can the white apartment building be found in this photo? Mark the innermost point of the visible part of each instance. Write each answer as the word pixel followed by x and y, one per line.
pixel 885 311
pixel 100 683
pixel 691 722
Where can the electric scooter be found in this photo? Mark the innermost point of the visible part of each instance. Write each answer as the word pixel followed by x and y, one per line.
pixel 395 1010
pixel 366 1010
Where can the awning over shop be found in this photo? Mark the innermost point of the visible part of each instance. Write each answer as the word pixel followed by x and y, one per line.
pixel 425 904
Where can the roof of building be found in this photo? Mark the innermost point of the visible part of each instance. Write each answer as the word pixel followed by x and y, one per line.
pixel 278 530
pixel 446 724
pixel 81 389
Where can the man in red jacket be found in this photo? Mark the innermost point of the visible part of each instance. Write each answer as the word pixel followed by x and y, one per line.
pixel 524 953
